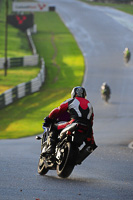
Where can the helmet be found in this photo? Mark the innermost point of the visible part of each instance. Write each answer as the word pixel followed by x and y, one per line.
pixel 104 83
pixel 78 91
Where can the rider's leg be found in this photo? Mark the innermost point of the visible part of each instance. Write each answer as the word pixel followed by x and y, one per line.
pixel 53 135
pixel 52 138
pixel 51 141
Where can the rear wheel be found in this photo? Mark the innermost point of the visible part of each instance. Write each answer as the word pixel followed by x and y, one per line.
pixel 42 170
pixel 65 168
pixel 105 98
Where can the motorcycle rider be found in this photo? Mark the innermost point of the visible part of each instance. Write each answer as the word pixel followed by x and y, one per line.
pixel 105 89
pixel 127 54
pixel 75 109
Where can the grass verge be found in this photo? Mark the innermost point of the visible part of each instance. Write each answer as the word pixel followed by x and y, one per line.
pixel 123 7
pixel 17 75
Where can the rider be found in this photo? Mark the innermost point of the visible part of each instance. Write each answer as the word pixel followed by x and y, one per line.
pixel 105 89
pixel 127 53
pixel 77 109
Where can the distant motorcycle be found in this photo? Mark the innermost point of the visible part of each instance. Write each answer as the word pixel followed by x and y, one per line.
pixel 105 92
pixel 127 55
pixel 67 152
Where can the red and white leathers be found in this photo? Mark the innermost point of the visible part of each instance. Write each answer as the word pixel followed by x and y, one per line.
pixel 80 110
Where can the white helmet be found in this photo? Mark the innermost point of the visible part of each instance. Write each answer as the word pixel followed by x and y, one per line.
pixel 78 91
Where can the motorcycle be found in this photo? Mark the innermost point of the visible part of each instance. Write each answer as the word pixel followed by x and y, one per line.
pixel 105 96
pixel 67 152
pixel 105 92
pixel 126 55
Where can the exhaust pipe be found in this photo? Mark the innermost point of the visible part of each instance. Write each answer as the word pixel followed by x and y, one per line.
pixel 84 153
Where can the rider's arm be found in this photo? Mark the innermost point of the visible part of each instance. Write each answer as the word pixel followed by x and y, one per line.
pixel 55 113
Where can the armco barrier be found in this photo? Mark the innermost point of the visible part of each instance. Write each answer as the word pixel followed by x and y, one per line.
pixel 23 89
pixel 31 60
pixel 2 61
pixel 15 62
pixel 28 32
pixel 8 97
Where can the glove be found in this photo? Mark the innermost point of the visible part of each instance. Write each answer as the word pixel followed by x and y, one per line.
pixel 47 121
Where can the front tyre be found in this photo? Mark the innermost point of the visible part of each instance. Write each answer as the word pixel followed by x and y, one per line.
pixel 42 170
pixel 65 168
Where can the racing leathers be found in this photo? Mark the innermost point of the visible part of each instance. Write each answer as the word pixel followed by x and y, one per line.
pixel 80 110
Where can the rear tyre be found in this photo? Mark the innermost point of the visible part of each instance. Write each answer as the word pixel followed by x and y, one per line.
pixel 65 168
pixel 105 98
pixel 42 170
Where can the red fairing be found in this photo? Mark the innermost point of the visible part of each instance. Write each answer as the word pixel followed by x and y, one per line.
pixel 61 126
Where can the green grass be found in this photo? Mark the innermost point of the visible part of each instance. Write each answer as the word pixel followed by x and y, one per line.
pixel 123 7
pixel 63 55
pixel 17 43
pixel 17 75
pixel 64 70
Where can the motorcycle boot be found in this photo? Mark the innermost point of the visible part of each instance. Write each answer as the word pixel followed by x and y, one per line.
pixel 51 142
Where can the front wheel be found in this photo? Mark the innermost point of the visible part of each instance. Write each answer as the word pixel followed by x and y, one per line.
pixel 42 170
pixel 65 168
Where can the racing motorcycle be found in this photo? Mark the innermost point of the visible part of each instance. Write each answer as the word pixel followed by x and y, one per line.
pixel 105 96
pixel 68 152
pixel 126 55
pixel 105 92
